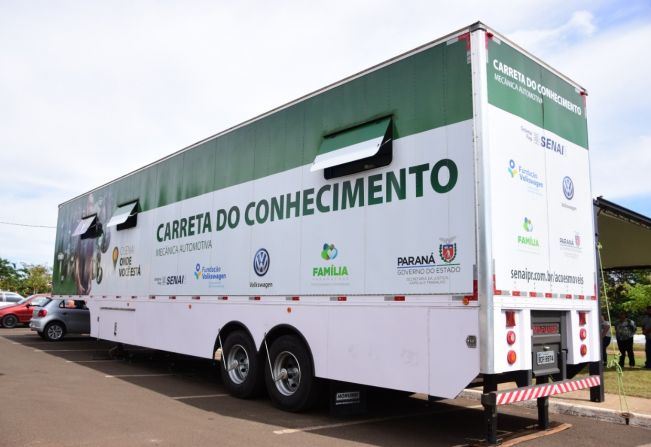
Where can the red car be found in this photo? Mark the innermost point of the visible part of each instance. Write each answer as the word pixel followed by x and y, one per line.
pixel 21 312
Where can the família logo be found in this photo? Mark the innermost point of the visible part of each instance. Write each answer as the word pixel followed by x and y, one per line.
pixel 197 271
pixel 530 241
pixel 329 252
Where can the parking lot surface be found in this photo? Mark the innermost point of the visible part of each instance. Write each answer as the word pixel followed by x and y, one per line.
pixel 77 393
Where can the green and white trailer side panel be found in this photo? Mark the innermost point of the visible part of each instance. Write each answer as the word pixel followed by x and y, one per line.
pixel 247 226
pixel 259 189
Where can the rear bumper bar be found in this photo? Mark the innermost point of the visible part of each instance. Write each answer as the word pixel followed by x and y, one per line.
pixel 505 397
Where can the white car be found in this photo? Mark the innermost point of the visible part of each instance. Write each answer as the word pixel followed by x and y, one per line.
pixel 9 298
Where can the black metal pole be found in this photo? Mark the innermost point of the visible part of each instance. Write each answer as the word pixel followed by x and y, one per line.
pixel 597 392
pixel 488 400
pixel 543 413
pixel 596 368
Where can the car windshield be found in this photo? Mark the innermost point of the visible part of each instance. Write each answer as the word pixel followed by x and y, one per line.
pixel 35 301
pixel 40 302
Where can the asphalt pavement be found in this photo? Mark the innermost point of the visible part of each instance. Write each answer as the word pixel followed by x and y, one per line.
pixel 74 393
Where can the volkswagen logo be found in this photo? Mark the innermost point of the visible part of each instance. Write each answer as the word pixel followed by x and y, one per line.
pixel 568 188
pixel 261 262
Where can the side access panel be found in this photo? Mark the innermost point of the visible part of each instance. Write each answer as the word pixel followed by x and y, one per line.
pixel 454 350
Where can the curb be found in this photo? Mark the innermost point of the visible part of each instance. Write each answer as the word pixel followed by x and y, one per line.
pixel 559 407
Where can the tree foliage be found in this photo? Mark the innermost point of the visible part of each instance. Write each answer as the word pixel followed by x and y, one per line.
pixel 27 279
pixel 9 276
pixel 628 291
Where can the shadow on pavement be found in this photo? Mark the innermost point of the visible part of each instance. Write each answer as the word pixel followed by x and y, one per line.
pixel 391 418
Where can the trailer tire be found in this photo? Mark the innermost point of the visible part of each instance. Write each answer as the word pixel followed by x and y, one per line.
pixel 295 388
pixel 241 369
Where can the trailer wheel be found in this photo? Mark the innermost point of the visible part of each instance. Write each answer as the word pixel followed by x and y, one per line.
pixel 290 379
pixel 240 366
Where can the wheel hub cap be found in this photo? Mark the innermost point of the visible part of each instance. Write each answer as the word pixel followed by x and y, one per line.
pixel 287 373
pixel 237 364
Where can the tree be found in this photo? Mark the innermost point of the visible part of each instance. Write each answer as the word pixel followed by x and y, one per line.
pixel 36 279
pixel 27 280
pixel 639 297
pixel 9 275
pixel 628 291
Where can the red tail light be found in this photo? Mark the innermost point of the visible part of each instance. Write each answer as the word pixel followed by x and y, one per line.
pixel 583 333
pixel 584 350
pixel 582 318
pixel 510 318
pixel 42 313
pixel 510 337
pixel 511 357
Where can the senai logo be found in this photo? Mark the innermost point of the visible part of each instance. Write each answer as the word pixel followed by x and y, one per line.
pixel 329 252
pixel 528 240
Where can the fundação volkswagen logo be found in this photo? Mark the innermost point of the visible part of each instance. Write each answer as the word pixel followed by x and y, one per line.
pixel 568 188
pixel 261 262
pixel 513 170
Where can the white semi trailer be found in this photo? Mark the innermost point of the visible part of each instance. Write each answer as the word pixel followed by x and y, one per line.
pixel 415 226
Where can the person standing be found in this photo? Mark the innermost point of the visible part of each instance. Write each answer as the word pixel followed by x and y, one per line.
pixel 646 330
pixel 604 327
pixel 624 331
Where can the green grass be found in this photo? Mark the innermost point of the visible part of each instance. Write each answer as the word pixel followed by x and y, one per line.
pixel 637 380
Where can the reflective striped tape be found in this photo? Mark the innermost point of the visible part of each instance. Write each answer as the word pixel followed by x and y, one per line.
pixel 546 390
pixel 532 294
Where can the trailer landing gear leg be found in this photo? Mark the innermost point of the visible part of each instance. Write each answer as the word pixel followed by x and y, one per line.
pixel 597 392
pixel 490 418
pixel 543 413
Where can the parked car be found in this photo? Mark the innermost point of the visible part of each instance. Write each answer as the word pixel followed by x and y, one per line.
pixel 9 298
pixel 60 317
pixel 21 312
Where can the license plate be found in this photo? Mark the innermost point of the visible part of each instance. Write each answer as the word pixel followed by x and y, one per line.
pixel 544 357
